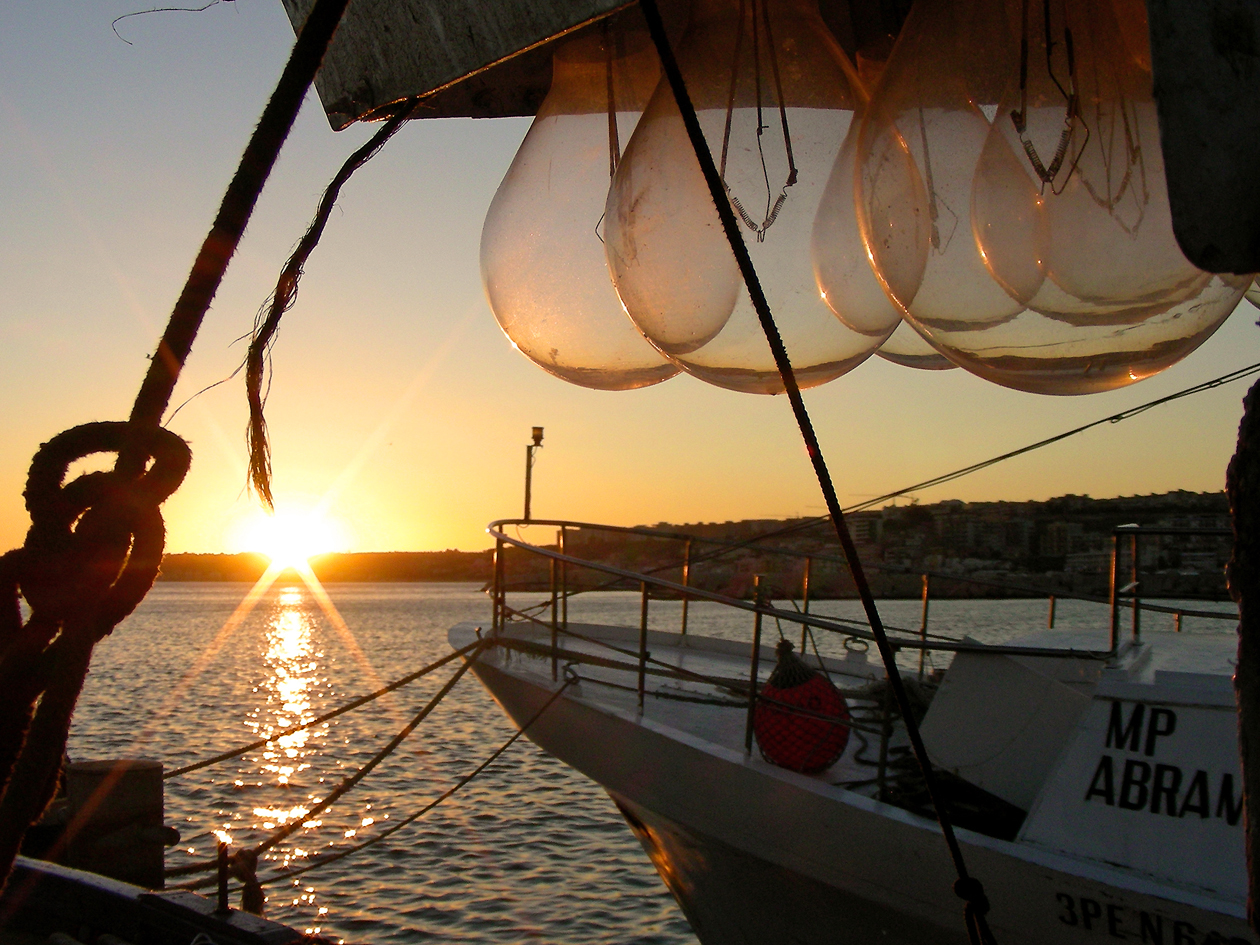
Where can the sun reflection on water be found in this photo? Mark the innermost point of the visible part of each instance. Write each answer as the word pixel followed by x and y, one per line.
pixel 292 660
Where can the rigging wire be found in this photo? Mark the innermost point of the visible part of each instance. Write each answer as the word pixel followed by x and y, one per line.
pixel 118 19
pixel 285 830
pixel 728 547
pixel 341 710
pixel 394 828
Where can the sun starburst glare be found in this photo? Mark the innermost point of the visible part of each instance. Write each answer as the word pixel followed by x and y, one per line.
pixel 290 537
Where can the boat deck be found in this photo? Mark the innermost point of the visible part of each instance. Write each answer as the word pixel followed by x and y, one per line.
pixel 686 680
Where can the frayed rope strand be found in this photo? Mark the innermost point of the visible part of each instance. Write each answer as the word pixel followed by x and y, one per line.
pixel 267 322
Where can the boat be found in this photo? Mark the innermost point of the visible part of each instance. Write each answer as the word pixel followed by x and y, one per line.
pixel 48 902
pixel 1092 778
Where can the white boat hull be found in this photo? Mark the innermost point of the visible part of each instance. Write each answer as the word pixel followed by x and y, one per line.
pixel 755 853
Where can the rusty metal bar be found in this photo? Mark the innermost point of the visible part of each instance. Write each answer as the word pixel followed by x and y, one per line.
pixel 1115 597
pixel 686 581
pixel 499 617
pixel 643 631
pixel 555 622
pixel 1137 602
pixel 1177 622
pixel 1050 616
pixel 809 566
pixel 755 665
pixel 923 624
pixel 564 581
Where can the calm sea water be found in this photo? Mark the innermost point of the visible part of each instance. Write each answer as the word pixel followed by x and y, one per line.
pixel 529 850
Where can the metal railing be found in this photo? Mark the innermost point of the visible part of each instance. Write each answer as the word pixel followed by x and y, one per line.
pixel 686 591
pixel 562 561
pixel 1131 591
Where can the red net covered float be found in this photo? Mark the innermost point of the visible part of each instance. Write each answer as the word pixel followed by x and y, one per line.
pixel 801 721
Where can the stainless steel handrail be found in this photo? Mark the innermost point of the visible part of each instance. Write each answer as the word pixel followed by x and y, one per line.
pixel 944 575
pixel 496 531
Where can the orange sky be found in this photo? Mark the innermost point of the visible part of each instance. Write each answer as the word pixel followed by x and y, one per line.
pixel 397 401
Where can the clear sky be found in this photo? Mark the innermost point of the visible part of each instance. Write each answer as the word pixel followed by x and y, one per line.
pixel 393 386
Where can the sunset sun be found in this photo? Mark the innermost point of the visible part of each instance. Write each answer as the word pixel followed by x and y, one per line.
pixel 289 538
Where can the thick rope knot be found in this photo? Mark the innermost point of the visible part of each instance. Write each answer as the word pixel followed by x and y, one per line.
pixel 243 865
pixel 969 889
pixel 96 542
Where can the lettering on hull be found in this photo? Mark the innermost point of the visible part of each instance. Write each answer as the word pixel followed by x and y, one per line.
pixel 1118 921
pixel 1151 787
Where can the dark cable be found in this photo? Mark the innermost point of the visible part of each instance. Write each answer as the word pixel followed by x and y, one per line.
pixel 966 887
pixel 340 710
pixel 394 828
pixel 229 225
pixel 729 547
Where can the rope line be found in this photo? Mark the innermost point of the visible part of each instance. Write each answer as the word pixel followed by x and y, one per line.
pixel 234 212
pixel 371 841
pixel 284 831
pixel 966 887
pixel 341 710
pixel 725 547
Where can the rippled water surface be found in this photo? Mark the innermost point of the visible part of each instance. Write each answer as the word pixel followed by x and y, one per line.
pixel 528 850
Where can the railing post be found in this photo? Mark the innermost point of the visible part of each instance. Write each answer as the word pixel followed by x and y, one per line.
pixel 755 665
pixel 499 618
pixel 809 566
pixel 224 907
pixel 885 735
pixel 555 623
pixel 923 624
pixel 1050 616
pixel 1115 597
pixel 1177 622
pixel 643 630
pixel 686 580
pixel 1137 600
pixel 564 581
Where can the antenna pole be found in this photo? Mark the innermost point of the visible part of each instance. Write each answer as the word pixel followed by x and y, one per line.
pixel 529 465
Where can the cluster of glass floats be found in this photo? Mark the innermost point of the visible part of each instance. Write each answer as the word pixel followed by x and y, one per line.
pixel 992 196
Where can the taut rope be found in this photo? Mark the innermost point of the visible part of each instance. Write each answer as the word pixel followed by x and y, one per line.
pixel 95 544
pixel 967 887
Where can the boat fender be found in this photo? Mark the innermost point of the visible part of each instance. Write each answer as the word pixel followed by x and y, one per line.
pixel 801 720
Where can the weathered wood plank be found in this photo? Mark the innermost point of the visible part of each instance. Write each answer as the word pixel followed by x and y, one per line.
pixel 387 50
pixel 1206 59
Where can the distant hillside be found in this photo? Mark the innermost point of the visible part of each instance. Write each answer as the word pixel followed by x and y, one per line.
pixel 331 568
pixel 1059 545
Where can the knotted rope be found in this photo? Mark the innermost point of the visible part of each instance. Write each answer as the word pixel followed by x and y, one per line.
pixel 90 556
pixel 95 544
pixel 969 890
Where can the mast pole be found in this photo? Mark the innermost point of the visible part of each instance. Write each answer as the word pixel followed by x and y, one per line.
pixel 1242 486
pixel 529 465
